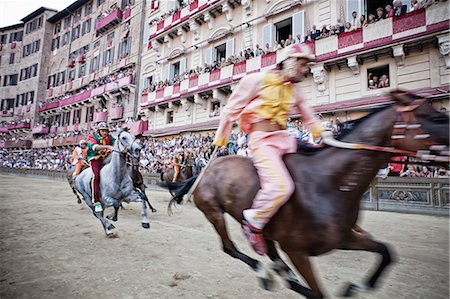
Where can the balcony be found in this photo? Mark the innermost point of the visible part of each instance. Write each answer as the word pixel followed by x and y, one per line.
pixel 4 129
pixel 81 59
pixel 71 63
pixel 70 140
pixel 384 33
pixel 40 130
pixel 109 21
pixel 137 127
pixel 126 12
pixel 116 113
pixel 100 116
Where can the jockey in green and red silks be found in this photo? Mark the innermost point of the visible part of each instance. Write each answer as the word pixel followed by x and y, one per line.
pixel 100 144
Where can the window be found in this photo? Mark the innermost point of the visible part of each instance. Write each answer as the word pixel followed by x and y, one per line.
pixel 378 77
pixel 72 75
pixel 77 16
pixel 220 52
pixel 3 38
pixel 10 80
pixel 88 9
pixel 75 33
pixel 96 44
pixel 86 27
pixel 16 36
pixel 283 30
pixel 148 81
pixel 28 72
pixel 95 63
pixel 175 69
pixel 66 118
pixel 82 70
pixel 124 48
pixel 108 56
pixel 76 116
pixel 11 58
pixel 67 22
pixel 66 37
pixel 57 28
pixel 100 2
pixel 169 117
pixel 55 43
pixel 89 114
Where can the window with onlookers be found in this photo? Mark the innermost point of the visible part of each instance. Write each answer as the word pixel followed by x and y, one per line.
pixel 169 117
pixel 55 43
pixel 215 109
pixel 67 22
pixel 75 32
pixel 220 52
pixel 72 75
pixel 82 70
pixel 174 69
pixel 16 36
pixel 86 27
pixel 95 64
pixel 34 25
pixel 378 77
pixel 283 29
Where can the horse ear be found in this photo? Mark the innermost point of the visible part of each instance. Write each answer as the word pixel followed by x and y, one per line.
pixel 404 97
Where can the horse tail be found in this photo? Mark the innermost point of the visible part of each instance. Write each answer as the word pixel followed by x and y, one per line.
pixel 177 190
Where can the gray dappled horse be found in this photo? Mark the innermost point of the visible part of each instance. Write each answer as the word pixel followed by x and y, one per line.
pixel 116 184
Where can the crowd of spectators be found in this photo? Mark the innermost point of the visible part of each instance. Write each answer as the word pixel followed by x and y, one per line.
pixel 157 153
pixel 171 12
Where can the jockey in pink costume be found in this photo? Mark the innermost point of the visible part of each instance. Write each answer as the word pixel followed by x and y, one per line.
pixel 262 102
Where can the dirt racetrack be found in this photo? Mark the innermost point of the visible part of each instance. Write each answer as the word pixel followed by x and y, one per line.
pixel 51 247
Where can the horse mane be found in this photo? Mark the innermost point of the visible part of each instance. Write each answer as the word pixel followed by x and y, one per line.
pixel 304 148
pixel 350 125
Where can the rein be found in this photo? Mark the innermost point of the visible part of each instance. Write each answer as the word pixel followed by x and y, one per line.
pixel 405 121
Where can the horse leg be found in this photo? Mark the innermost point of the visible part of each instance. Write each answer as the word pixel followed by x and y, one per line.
pixel 107 227
pixel 145 221
pixel 217 219
pixel 304 267
pixel 116 204
pixel 282 269
pixel 364 242
pixel 142 188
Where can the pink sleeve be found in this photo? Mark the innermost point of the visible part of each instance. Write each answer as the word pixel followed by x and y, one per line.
pixel 308 116
pixel 246 90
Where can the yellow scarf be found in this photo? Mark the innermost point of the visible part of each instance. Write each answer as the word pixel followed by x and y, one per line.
pixel 278 99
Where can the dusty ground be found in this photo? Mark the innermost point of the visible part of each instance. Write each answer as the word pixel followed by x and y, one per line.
pixel 51 247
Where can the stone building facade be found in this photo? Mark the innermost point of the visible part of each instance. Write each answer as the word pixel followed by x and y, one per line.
pixel 411 50
pixel 91 59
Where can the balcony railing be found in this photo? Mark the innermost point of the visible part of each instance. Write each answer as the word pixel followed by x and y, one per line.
pixel 40 130
pixel 112 19
pixel 6 113
pixel 383 33
pixel 100 116
pixel 137 127
pixel 116 113
pixel 4 129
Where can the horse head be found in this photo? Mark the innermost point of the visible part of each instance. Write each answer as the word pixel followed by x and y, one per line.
pixel 419 126
pixel 127 143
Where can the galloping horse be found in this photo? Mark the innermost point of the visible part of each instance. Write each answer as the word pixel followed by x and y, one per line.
pixel 116 184
pixel 185 173
pixel 329 186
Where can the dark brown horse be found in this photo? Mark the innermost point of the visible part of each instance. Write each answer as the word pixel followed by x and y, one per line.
pixel 330 183
pixel 185 173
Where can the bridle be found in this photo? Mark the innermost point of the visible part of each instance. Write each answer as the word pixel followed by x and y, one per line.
pixel 405 122
pixel 124 151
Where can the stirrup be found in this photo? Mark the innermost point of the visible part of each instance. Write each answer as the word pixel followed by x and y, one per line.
pixel 255 236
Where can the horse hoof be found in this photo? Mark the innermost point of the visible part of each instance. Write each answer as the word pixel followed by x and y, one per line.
pixel 265 277
pixel 111 217
pixel 79 201
pixel 154 210
pixel 111 226
pixel 111 235
pixel 351 289
pixel 145 225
